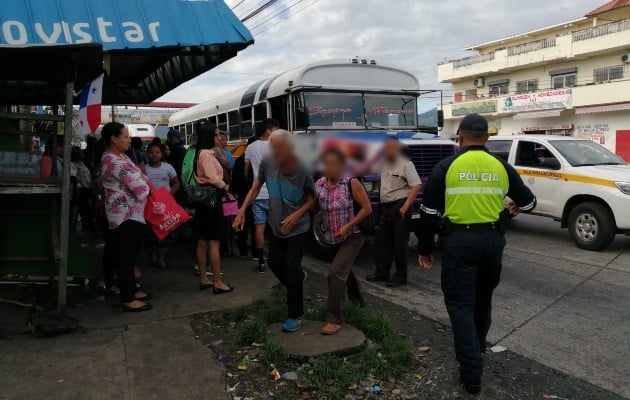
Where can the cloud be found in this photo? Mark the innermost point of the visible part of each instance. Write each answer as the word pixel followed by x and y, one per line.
pixel 415 34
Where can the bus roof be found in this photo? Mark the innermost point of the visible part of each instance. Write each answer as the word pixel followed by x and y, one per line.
pixel 336 74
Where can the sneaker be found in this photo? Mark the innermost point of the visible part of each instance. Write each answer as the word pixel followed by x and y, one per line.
pixel 293 325
pixel 261 268
pixel 470 387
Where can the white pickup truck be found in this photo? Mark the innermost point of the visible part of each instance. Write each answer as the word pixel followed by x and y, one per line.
pixel 576 181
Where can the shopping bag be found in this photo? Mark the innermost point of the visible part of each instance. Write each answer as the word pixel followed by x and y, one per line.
pixel 230 205
pixel 163 212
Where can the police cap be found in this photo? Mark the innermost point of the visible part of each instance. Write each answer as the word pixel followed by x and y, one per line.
pixel 474 123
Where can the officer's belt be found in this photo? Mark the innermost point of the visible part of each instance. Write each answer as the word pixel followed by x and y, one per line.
pixel 488 226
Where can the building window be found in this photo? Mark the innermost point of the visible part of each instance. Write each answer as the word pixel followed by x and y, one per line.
pixel 498 89
pixel 607 74
pixel 527 86
pixel 564 81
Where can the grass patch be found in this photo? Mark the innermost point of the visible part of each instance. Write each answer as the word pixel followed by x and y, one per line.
pixel 252 331
pixel 388 354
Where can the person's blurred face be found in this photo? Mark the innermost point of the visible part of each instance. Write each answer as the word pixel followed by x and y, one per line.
pixel 391 149
pixel 123 142
pixel 280 148
pixel 155 154
pixel 333 166
pixel 167 151
pixel 222 141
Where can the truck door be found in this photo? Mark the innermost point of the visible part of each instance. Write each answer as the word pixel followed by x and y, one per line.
pixel 541 171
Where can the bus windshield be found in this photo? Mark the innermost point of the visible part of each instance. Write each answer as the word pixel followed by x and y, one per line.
pixel 359 110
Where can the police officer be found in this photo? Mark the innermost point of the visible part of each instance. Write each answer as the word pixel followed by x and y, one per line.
pixel 464 202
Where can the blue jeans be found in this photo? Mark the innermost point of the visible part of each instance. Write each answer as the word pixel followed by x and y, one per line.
pixel 471 270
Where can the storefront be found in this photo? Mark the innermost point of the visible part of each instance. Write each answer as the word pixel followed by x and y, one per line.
pixel 55 47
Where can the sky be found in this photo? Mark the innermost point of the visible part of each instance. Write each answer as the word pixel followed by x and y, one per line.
pixel 414 34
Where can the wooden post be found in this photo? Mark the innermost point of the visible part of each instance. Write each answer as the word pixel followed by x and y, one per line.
pixel 66 191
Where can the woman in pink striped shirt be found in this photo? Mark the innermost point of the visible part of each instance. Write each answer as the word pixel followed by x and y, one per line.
pixel 210 221
pixel 336 196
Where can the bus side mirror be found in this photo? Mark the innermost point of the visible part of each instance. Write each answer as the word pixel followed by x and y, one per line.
pixel 440 119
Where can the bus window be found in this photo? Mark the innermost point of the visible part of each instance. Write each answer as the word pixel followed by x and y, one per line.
pixel 223 122
pixel 279 110
pixel 300 119
pixel 390 111
pixel 334 110
pixel 246 122
pixel 260 112
pixel 235 124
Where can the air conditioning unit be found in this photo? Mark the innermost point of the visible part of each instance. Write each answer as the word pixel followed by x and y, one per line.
pixel 480 82
pixel 626 58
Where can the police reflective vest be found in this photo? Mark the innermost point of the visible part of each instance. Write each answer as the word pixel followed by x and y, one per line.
pixel 469 188
pixel 476 186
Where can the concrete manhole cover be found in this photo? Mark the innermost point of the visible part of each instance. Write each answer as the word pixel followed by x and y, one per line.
pixel 308 342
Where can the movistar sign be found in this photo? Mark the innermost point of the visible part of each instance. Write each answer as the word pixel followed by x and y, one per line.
pixel 119 24
pixel 102 30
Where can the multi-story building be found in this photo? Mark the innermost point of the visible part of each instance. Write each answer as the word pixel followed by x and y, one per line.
pixel 568 79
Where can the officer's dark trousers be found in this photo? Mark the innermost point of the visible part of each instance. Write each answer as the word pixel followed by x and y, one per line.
pixel 392 241
pixel 471 270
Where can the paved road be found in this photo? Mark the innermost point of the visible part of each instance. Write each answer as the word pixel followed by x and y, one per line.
pixel 564 307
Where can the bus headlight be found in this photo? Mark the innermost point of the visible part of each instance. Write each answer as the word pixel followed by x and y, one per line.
pixel 624 187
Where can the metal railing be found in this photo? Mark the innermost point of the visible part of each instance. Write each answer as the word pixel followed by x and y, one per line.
pixel 479 58
pixel 601 30
pixel 532 46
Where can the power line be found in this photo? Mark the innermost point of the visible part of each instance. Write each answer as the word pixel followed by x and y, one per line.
pixel 295 13
pixel 258 10
pixel 282 11
pixel 239 3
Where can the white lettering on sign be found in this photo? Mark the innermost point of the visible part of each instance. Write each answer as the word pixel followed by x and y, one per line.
pixel 16 32
pixel 479 176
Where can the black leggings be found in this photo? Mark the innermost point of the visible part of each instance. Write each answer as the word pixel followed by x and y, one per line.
pixel 122 250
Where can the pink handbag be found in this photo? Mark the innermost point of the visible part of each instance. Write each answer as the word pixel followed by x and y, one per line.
pixel 230 205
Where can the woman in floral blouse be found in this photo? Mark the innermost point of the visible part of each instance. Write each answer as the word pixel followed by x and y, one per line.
pixel 126 192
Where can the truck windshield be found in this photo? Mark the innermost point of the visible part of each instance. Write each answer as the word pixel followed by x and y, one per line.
pixel 582 153
pixel 358 110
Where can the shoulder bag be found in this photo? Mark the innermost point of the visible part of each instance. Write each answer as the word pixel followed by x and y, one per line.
pixel 367 226
pixel 201 196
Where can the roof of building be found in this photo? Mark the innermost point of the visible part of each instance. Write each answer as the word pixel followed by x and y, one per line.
pixel 611 5
pixel 539 31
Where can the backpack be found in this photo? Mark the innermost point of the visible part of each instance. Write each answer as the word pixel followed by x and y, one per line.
pixel 188 168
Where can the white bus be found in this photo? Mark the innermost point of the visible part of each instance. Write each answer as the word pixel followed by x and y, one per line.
pixel 328 95
pixel 353 104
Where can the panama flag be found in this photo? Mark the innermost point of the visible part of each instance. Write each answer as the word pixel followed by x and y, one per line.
pixel 90 106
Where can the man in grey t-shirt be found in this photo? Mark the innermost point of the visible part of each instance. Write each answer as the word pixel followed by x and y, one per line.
pixel 291 196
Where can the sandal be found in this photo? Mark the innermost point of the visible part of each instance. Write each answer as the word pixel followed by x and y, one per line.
pixel 145 307
pixel 223 291
pixel 204 286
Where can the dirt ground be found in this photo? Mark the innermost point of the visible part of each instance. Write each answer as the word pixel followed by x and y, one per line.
pixel 507 375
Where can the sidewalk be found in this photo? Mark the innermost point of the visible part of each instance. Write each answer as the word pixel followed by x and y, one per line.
pixel 151 355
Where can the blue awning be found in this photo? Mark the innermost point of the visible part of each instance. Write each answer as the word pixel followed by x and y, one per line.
pixel 120 24
pixel 151 46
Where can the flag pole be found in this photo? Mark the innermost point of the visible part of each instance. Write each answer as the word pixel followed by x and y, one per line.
pixel 66 192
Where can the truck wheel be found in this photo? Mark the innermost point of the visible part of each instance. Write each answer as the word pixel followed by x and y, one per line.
pixel 592 226
pixel 321 250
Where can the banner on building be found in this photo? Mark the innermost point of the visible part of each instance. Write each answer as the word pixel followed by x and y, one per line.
pixel 545 100
pixel 477 107
pixel 595 132
pixel 137 116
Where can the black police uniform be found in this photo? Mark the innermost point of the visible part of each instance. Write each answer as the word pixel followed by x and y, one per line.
pixel 464 202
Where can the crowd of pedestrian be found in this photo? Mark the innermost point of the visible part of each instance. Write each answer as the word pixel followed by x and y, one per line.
pixel 276 194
